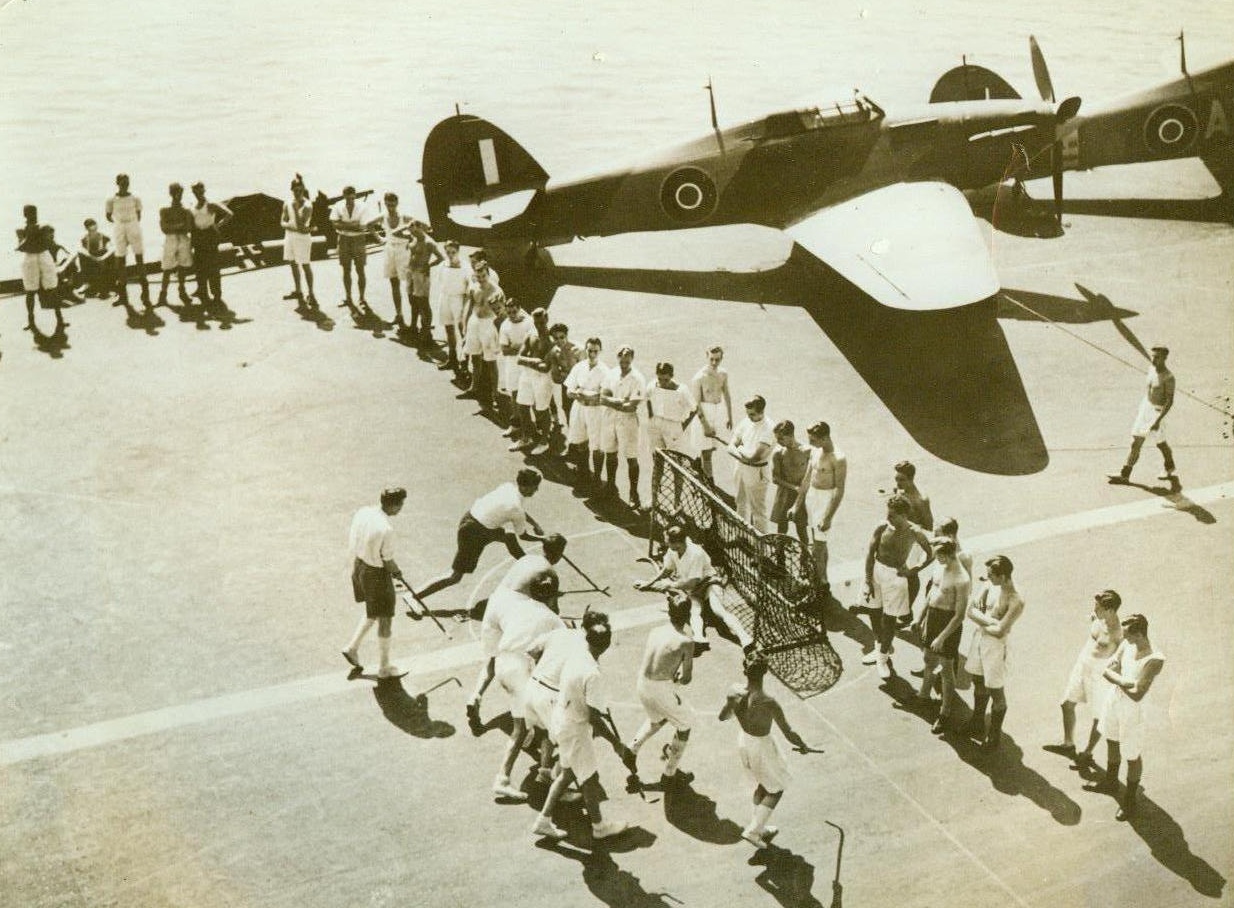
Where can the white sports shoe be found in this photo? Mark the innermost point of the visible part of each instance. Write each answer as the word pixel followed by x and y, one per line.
pixel 504 791
pixel 608 828
pixel 543 828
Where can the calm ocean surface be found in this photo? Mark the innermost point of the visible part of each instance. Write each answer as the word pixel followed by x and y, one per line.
pixel 243 93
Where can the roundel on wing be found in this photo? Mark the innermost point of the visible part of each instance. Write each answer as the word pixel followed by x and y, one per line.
pixel 1170 129
pixel 688 195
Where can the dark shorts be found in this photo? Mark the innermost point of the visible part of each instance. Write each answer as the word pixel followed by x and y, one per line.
pixel 473 538
pixel 375 588
pixel 935 621
pixel 352 249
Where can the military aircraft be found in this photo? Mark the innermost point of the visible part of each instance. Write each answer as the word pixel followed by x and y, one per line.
pixel 875 196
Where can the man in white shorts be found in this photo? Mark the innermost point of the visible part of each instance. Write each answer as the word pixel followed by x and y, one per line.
pixel 516 328
pixel 668 661
pixel 687 567
pixel 535 387
pixel 582 386
pixel 395 253
pixel 751 447
pixel 550 656
pixel 513 624
pixel 123 211
pixel 297 224
pixel 887 574
pixel 820 493
pixel 670 410
pixel 756 711
pixel 480 344
pixel 994 612
pixel 176 222
pixel 622 390
pixel 1157 402
pixel 578 710
pixel 449 287
pixel 1131 671
pixel 709 388
pixel 1086 683
pixel 38 268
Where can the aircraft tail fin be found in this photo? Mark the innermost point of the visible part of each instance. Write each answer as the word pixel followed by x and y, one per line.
pixel 968 82
pixel 469 169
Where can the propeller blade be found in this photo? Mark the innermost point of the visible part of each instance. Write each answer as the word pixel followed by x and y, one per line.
pixel 1056 163
pixel 1067 110
pixel 1040 71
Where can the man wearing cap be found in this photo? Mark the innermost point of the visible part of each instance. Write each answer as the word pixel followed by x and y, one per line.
pixel 351 220
pixel 1158 399
pixel 123 210
pixel 535 387
pixel 994 612
pixel 499 515
pixel 621 391
pixel 1086 683
pixel 372 577
pixel 819 494
pixel 751 447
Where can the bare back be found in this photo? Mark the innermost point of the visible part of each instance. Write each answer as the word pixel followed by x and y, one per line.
pixel 754 709
pixel 666 651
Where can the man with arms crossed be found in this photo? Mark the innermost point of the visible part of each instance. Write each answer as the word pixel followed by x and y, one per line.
pixel 887 577
pixel 372 577
pixel 820 493
pixel 709 388
pixel 351 218
pixel 939 627
pixel 994 612
pixel 621 391
pixel 755 711
pixel 668 661
pixel 176 222
pixel 582 386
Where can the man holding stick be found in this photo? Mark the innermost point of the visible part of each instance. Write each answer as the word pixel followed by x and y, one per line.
pixel 751 447
pixel 499 515
pixel 372 577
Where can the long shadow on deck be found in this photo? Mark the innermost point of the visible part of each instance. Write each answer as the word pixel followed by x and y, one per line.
pixel 947 376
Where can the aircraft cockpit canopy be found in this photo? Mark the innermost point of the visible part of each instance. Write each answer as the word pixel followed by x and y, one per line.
pixel 859 109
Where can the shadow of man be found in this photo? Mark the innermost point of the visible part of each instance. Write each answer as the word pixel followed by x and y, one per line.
pixel 608 882
pixel 1168 844
pixel 787 877
pixel 408 713
pixel 53 344
pixel 695 814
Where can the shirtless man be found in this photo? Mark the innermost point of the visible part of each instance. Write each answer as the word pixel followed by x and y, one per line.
pixel 518 578
pixel 621 391
pixel 582 386
pixel 123 211
pixel 687 567
pixel 535 387
pixel 789 461
pixel 1132 670
pixel 751 447
pixel 297 223
pixel 755 711
pixel 709 387
pixel 423 256
pixel 668 660
pixel 946 598
pixel 1087 683
pixel 176 222
pixel 994 612
pixel 820 492
pixel 513 624
pixel 484 300
pixel 1158 399
pixel 920 514
pixel 887 576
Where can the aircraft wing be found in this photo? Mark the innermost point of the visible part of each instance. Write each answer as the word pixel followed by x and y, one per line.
pixel 910 246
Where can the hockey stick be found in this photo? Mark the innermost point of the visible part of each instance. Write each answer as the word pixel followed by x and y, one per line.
pixel 408 591
pixel 579 571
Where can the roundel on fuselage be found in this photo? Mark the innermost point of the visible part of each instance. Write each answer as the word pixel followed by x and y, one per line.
pixel 688 195
pixel 1170 129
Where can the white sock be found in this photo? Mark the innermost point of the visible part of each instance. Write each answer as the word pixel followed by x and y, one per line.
pixel 676 748
pixel 762 813
pixel 481 684
pixel 642 736
pixel 383 651
pixel 696 623
pixel 361 629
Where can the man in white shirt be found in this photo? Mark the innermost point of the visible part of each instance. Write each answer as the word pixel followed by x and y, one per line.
pixel 582 386
pixel 449 287
pixel 621 391
pixel 510 337
pixel 351 219
pixel 513 624
pixel 498 516
pixel 519 577
pixel 123 211
pixel 372 577
pixel 687 567
pixel 751 447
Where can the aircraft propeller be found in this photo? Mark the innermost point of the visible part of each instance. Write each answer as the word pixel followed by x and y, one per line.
pixel 1062 113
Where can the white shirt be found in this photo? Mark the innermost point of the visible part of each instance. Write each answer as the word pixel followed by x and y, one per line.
pixel 501 507
pixel 522 572
pixel 671 403
pixel 514 333
pixel 749 435
pixel 450 283
pixel 586 378
pixel 372 536
pixel 359 214
pixel 559 646
pixel 580 688
pixel 631 386
pixel 514 622
pixel 124 209
pixel 692 564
